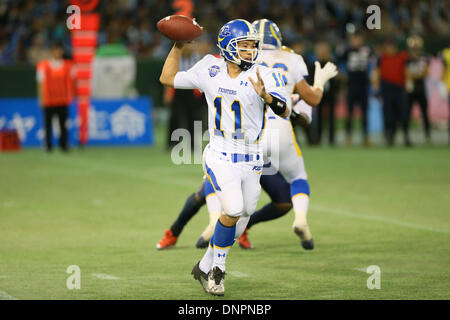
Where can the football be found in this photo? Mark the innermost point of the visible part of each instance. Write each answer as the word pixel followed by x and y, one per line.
pixel 179 28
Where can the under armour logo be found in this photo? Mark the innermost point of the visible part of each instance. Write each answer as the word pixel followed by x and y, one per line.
pixel 221 255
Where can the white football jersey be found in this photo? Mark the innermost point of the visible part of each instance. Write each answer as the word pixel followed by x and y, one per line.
pixel 236 113
pixel 291 65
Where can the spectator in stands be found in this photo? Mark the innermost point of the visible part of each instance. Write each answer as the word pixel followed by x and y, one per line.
pixel 21 20
pixel 37 51
pixel 55 90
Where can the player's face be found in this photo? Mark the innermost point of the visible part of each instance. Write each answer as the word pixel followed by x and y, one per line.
pixel 323 51
pixel 57 53
pixel 247 49
pixel 356 41
pixel 390 48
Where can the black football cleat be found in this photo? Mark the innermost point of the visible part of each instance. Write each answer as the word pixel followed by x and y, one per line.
pixel 308 245
pixel 216 278
pixel 305 236
pixel 200 276
pixel 201 243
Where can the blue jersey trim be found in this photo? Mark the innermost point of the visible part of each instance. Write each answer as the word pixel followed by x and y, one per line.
pixel 212 178
pixel 278 96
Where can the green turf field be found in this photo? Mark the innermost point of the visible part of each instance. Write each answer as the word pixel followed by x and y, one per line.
pixel 104 209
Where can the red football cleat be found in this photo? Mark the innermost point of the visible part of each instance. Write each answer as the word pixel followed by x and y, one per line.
pixel 168 241
pixel 243 241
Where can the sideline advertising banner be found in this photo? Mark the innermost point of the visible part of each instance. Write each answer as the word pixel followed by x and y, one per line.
pixel 111 121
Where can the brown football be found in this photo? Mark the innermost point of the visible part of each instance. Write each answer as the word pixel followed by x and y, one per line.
pixel 179 28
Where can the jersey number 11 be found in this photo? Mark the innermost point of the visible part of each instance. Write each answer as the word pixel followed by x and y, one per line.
pixel 236 108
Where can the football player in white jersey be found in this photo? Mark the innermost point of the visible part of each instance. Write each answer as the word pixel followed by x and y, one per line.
pixel 288 160
pixel 280 191
pixel 238 93
pixel 285 155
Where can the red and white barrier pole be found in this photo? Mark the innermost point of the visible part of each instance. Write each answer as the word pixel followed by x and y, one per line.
pixel 84 43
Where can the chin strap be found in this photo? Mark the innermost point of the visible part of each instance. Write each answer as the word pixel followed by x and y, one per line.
pixel 244 65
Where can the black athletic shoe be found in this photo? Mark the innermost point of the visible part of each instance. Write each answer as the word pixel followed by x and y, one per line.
pixel 201 243
pixel 200 276
pixel 308 245
pixel 305 236
pixel 216 278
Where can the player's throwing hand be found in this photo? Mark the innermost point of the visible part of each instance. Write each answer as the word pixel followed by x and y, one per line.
pixel 259 85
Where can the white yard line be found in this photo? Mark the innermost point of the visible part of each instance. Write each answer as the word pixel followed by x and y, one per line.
pixel 105 276
pixel 8 204
pixel 238 274
pixel 375 218
pixel 5 296
pixel 150 176
pixel 136 174
pixel 98 203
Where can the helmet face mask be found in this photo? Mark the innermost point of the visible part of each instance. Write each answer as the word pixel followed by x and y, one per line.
pixel 235 48
pixel 229 38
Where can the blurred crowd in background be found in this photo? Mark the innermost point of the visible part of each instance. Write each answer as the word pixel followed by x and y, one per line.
pixel 29 26
pixel 324 30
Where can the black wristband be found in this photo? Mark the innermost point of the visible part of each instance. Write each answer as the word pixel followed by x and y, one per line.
pixel 278 106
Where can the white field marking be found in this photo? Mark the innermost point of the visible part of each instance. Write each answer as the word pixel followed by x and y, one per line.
pixel 238 274
pixel 6 296
pixel 375 218
pixel 130 173
pixel 98 203
pixel 105 276
pixel 360 269
pixel 8 204
pixel 149 176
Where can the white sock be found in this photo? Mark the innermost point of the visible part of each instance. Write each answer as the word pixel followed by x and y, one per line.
pixel 240 226
pixel 207 260
pixel 300 203
pixel 214 209
pixel 219 257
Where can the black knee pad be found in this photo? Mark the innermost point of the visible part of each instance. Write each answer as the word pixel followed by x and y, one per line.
pixel 283 208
